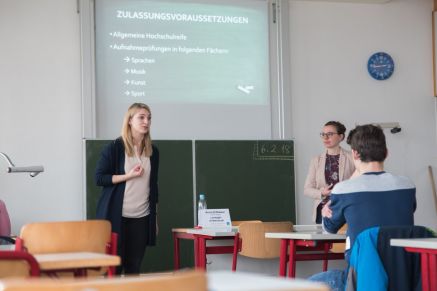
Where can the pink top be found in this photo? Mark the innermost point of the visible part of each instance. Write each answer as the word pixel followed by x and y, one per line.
pixel 5 222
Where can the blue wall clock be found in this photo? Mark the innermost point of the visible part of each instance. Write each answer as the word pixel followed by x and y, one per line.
pixel 380 66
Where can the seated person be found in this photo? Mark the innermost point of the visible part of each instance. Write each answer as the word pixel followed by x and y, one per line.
pixel 5 222
pixel 375 198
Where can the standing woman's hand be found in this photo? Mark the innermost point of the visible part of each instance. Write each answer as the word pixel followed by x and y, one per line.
pixel 326 191
pixel 136 171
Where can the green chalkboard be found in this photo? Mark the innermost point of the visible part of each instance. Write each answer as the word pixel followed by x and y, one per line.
pixel 254 179
pixel 175 179
pixel 93 149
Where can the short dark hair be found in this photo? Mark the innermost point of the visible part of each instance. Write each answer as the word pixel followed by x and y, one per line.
pixel 341 129
pixel 369 142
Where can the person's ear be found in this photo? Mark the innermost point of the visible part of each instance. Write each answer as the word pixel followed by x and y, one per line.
pixel 355 155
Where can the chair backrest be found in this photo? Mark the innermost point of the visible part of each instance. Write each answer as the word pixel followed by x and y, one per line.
pixel 66 236
pixel 254 244
pixel 18 264
pixel 375 265
pixel 403 268
pixel 184 281
pixel 340 247
pixel 238 222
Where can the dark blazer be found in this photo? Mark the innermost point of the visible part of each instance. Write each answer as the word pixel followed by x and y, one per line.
pixel 110 204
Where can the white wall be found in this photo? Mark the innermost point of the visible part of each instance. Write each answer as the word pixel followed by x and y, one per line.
pixel 40 109
pixel 330 45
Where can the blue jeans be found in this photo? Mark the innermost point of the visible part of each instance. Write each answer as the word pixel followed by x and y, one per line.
pixel 335 279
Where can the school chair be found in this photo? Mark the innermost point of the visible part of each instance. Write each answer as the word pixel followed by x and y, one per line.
pixel 339 247
pixel 238 222
pixel 68 237
pixel 253 242
pixel 375 265
pixel 18 264
pixel 237 241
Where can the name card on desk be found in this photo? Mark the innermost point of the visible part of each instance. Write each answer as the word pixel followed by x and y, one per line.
pixel 215 218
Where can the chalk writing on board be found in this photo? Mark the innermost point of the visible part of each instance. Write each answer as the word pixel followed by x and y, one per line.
pixel 273 150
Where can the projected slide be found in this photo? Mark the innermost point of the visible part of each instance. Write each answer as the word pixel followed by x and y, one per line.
pixel 183 52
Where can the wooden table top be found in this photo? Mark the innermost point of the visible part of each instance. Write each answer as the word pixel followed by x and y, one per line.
pixel 424 243
pixel 74 260
pixel 207 231
pixel 306 235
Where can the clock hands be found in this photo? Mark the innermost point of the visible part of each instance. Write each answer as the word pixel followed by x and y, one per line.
pixel 378 66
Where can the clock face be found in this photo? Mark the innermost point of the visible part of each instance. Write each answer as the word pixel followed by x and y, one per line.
pixel 380 66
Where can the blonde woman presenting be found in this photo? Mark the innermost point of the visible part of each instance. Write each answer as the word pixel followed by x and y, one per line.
pixel 128 173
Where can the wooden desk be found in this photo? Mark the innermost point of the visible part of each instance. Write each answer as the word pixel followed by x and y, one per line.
pixel 308 242
pixel 427 248
pixel 240 281
pixel 78 262
pixel 212 281
pixel 200 237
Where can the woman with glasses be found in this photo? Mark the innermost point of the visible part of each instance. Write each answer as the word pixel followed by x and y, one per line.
pixel 334 165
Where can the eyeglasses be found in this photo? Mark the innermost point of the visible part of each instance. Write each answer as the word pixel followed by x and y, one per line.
pixel 327 134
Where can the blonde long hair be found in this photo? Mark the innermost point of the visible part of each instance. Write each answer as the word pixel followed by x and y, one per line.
pixel 126 132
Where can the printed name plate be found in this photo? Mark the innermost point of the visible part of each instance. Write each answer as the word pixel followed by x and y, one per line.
pixel 215 218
